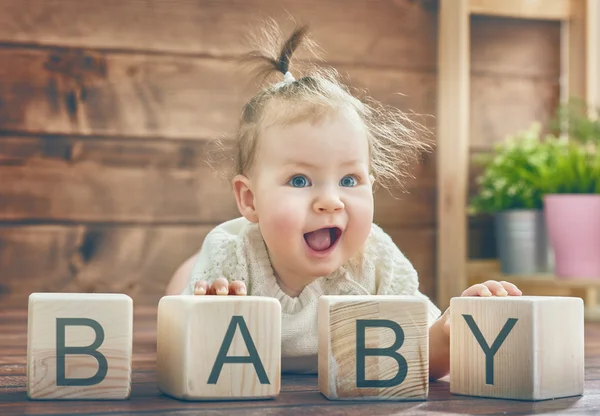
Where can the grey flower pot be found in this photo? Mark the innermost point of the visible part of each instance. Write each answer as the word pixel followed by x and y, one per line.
pixel 522 242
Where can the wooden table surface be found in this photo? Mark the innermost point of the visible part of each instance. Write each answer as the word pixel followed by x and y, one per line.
pixel 299 394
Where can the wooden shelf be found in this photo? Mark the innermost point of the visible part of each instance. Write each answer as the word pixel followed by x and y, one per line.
pixel 523 9
pixel 580 63
pixel 478 271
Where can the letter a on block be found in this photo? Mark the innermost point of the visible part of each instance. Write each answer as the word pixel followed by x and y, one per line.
pixel 79 346
pixel 219 347
pixel 517 347
pixel 373 347
pixel 253 356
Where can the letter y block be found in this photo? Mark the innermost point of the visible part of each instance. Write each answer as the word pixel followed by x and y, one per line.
pixel 517 347
pixel 373 347
pixel 79 346
pixel 219 347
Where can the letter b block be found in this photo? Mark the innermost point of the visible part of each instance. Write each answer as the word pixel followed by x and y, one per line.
pixel 373 347
pixel 219 347
pixel 79 346
pixel 517 347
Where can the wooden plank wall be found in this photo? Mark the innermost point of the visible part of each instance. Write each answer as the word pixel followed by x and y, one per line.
pixel 106 108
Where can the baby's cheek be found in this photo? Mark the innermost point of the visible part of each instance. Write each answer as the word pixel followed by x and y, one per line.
pixel 360 212
pixel 281 218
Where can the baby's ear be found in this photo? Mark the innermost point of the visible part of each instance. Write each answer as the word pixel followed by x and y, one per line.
pixel 245 197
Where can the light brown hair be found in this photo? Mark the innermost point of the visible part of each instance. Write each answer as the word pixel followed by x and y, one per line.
pixel 395 141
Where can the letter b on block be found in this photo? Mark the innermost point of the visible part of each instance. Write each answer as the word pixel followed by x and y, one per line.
pixel 373 347
pixel 79 346
pixel 219 347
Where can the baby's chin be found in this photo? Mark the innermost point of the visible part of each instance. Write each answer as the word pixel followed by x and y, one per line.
pixel 321 270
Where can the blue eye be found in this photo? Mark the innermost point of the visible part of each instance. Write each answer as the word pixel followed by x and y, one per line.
pixel 299 181
pixel 348 181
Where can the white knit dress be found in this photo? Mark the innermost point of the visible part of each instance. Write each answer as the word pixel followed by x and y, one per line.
pixel 236 250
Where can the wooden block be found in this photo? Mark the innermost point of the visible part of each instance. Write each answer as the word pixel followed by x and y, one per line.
pixel 79 346
pixel 526 347
pixel 373 348
pixel 219 347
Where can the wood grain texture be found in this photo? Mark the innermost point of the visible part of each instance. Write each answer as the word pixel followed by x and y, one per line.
pixel 110 181
pixel 62 91
pixel 133 95
pixel 132 259
pixel 520 101
pixel 374 33
pixel 299 393
pixel 514 48
pixel 537 345
pixel 138 261
pixel 197 337
pixel 536 9
pixel 378 34
pixel 148 182
pixel 453 115
pixel 345 376
pixel 96 360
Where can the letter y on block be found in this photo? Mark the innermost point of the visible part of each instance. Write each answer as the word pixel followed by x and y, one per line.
pixel 516 347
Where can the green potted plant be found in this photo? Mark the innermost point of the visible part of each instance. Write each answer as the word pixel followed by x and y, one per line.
pixel 570 181
pixel 507 190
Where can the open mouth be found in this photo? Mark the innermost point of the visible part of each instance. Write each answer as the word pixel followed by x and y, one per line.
pixel 323 239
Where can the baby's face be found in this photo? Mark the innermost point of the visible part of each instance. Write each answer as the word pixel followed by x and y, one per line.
pixel 313 195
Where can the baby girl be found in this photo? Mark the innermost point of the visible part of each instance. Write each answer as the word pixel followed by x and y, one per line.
pixel 309 154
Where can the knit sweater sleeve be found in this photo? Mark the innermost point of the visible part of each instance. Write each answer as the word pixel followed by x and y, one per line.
pixel 395 275
pixel 221 255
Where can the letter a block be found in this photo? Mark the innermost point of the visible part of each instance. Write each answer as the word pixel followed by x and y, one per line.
pixel 79 346
pixel 373 348
pixel 517 347
pixel 219 347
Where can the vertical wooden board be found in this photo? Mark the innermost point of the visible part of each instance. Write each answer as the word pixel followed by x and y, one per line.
pixel 575 53
pixel 79 346
pixel 452 149
pixel 593 68
pixel 381 33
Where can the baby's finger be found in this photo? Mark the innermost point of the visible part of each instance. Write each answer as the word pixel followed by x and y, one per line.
pixel 496 288
pixel 477 290
pixel 220 287
pixel 512 289
pixel 201 287
pixel 237 288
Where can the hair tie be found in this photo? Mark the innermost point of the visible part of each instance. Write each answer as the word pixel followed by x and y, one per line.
pixel 288 78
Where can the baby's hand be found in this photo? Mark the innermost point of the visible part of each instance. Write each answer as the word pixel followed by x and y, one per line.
pixel 220 287
pixel 489 288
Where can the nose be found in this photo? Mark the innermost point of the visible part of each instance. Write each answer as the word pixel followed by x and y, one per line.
pixel 328 202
